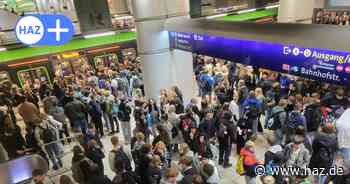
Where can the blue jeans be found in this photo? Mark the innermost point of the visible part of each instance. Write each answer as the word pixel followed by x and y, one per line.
pixel 250 180
pixel 80 125
pixel 54 155
pixel 267 116
pixel 320 179
pixel 279 136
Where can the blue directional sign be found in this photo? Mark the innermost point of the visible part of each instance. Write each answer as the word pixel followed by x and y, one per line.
pixel 44 30
pixel 314 63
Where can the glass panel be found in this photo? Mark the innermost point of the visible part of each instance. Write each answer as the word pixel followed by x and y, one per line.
pixel 32 78
pixel 107 60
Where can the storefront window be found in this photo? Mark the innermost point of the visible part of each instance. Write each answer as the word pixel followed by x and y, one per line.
pixel 106 60
pixel 124 22
pixel 69 64
pixel 33 77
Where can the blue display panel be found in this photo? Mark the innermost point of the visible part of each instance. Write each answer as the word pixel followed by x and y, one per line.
pixel 318 64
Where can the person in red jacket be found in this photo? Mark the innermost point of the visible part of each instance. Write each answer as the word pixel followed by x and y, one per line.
pixel 249 162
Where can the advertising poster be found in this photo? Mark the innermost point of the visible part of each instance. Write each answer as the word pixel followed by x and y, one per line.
pixel 317 64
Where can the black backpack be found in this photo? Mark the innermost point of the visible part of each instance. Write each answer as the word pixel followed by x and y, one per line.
pixel 48 134
pixel 136 153
pixel 252 111
pixel 274 121
pixel 127 177
pixel 313 117
pixel 122 160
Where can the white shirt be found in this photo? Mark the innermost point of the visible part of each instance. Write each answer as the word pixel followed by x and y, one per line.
pixel 234 109
pixel 114 83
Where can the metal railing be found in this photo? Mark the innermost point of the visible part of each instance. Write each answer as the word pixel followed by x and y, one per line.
pixel 18 171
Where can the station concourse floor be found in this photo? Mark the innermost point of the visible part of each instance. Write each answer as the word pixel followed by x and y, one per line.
pixel 227 176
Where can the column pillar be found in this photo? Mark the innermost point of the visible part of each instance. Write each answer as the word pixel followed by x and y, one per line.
pixel 162 68
pixel 294 11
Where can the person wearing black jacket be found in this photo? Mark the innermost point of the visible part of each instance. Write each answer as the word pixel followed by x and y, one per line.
pixel 187 170
pixel 144 163
pixel 95 113
pixel 313 115
pixel 94 152
pixel 92 175
pixel 274 157
pixel 11 138
pixel 124 118
pixel 203 147
pixel 225 135
pixel 324 149
pixel 208 126
pixel 154 170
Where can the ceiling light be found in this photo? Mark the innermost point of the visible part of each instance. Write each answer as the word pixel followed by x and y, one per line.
pixel 110 33
pixel 246 11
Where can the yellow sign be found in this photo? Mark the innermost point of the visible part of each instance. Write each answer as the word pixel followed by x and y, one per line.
pixel 71 55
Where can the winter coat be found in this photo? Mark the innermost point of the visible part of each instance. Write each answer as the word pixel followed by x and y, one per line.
pixel 77 173
pixel 324 148
pixel 249 162
pixel 75 110
pixel 12 141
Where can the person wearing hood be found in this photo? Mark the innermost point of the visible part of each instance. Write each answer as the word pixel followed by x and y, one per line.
pixel 296 154
pixel 324 149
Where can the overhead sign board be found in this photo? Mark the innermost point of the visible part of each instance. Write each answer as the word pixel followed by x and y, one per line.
pixel 317 64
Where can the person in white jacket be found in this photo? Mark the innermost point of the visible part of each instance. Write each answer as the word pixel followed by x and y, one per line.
pixel 47 136
pixel 234 108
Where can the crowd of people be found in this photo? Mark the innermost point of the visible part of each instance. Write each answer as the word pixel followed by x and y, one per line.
pixel 334 17
pixel 304 122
